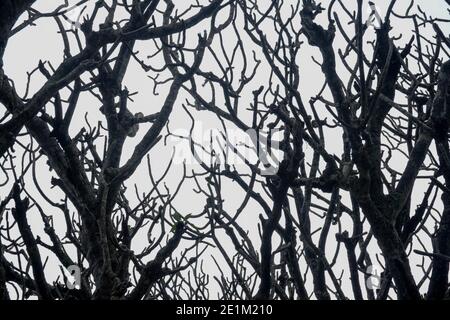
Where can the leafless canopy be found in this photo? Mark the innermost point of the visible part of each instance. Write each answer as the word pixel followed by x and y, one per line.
pixel 364 159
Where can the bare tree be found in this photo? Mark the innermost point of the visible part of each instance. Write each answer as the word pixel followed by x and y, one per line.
pixel 350 160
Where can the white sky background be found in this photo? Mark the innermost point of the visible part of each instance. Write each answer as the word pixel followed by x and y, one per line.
pixel 42 42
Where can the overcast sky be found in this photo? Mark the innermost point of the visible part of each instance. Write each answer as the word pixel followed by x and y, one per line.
pixel 42 42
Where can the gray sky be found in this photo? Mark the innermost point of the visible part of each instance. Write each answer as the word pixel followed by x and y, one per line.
pixel 42 42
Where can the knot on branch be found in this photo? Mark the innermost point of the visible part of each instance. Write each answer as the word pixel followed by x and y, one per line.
pixel 316 34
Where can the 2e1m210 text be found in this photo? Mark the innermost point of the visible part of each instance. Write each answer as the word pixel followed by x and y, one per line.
pixel 226 309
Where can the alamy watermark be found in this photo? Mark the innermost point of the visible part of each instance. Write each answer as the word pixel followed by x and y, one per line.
pixel 73 280
pixel 373 281
pixel 230 147
pixel 374 19
pixel 72 16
